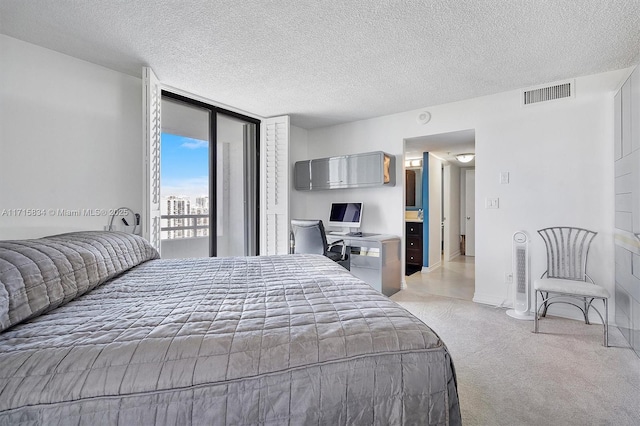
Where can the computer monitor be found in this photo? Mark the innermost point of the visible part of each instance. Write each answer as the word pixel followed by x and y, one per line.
pixel 346 215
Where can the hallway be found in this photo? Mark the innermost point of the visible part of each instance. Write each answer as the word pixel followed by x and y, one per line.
pixel 454 279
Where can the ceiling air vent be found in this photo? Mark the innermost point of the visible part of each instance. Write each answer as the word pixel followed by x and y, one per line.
pixel 548 93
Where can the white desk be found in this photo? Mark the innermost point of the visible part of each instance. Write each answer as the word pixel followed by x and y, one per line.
pixel 375 259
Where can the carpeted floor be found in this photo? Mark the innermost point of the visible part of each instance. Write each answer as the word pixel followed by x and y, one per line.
pixel 508 375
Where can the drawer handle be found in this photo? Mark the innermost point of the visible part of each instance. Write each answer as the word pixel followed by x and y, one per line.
pixel 411 243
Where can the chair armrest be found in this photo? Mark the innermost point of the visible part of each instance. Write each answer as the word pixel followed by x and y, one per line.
pixel 343 251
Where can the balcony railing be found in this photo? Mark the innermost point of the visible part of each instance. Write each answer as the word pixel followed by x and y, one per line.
pixel 192 225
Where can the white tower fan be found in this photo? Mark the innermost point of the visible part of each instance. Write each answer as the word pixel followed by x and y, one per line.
pixel 521 279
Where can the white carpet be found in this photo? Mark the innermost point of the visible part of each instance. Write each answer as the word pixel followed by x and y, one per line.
pixel 507 375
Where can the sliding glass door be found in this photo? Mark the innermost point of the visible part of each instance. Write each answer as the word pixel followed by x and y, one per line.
pixel 184 179
pixel 236 189
pixel 209 180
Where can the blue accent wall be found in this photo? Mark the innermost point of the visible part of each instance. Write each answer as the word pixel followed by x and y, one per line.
pixel 425 209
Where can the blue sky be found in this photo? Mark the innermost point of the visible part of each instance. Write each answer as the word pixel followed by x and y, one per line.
pixel 184 166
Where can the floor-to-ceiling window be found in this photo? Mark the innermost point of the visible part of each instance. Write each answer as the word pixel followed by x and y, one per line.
pixel 208 180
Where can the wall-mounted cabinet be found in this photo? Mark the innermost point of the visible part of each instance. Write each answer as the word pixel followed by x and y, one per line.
pixel 347 171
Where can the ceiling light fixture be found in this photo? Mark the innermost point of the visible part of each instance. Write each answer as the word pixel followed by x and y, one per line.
pixel 465 158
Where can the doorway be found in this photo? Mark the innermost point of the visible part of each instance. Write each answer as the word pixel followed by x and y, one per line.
pixel 208 180
pixel 446 204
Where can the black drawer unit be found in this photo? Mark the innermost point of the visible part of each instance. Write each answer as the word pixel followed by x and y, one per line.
pixel 414 257
pixel 413 245
pixel 414 228
pixel 414 242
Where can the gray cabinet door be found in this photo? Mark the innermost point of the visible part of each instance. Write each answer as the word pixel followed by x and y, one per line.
pixel 302 175
pixel 365 169
pixel 329 173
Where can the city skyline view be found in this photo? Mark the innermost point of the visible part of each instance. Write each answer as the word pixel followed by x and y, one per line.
pixel 184 184
pixel 184 166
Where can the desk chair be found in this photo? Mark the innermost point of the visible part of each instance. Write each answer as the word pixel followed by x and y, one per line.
pixel 309 237
pixel 566 275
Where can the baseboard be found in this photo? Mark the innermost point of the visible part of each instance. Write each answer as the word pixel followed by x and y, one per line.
pixel 571 312
pixel 486 299
pixel 558 310
pixel 454 255
pixel 426 269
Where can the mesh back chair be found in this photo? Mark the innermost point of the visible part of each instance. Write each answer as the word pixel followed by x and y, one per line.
pixel 566 275
pixel 309 237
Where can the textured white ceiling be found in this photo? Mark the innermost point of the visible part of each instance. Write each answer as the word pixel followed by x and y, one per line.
pixel 326 62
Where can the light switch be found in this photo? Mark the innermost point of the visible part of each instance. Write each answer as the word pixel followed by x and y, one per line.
pixel 492 203
pixel 504 177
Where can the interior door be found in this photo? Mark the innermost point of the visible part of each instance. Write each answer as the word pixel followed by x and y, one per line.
pixel 470 212
pixel 446 212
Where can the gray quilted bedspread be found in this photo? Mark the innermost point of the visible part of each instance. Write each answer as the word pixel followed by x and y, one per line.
pixel 37 276
pixel 261 340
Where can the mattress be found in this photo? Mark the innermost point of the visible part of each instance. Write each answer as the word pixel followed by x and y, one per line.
pixel 268 340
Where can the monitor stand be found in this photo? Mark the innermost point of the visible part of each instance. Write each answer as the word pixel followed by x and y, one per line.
pixel 354 232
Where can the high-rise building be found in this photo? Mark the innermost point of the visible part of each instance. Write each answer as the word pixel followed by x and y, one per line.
pixel 202 208
pixel 175 206
pixel 203 203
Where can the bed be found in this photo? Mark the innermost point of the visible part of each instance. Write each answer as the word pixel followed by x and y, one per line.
pixel 97 329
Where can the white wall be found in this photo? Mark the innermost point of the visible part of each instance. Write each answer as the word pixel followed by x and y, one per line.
pixel 70 138
pixel 463 199
pixel 435 213
pixel 297 151
pixel 355 138
pixel 559 155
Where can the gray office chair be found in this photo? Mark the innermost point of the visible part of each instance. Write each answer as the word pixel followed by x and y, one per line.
pixel 309 237
pixel 566 275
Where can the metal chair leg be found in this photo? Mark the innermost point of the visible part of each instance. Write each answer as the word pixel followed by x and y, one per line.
pixel 606 322
pixel 535 314
pixel 586 311
pixel 546 306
